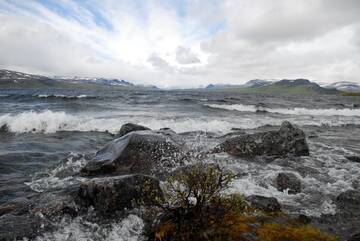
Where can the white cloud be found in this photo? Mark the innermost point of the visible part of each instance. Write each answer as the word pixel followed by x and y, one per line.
pixel 186 56
pixel 229 41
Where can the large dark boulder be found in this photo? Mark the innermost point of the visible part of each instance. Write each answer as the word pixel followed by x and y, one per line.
pixel 355 237
pixel 129 127
pixel 267 204
pixel 288 181
pixel 110 194
pixel 349 199
pixel 353 158
pixel 287 140
pixel 145 152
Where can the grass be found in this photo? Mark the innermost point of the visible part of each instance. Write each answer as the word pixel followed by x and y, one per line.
pixel 350 93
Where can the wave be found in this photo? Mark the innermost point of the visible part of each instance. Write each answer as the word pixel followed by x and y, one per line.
pixel 60 96
pixel 292 111
pixel 52 121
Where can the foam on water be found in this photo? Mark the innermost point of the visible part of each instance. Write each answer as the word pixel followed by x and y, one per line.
pixel 292 111
pixel 63 96
pixel 52 121
pixel 78 229
pixel 60 176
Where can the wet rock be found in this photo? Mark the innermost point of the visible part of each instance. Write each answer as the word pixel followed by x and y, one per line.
pixel 268 204
pixel 56 204
pixel 349 199
pixel 17 206
pixel 355 237
pixel 110 194
pixel 129 127
pixel 306 171
pixel 353 158
pixel 288 181
pixel 304 219
pixel 13 227
pixel 261 111
pixel 4 129
pixel 287 140
pixel 145 152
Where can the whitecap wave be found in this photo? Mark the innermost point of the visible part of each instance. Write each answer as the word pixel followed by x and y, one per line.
pixel 128 229
pixel 44 96
pixel 52 121
pixel 292 111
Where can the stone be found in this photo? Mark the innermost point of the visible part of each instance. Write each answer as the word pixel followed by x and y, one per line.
pixel 267 204
pixel 111 194
pixel 288 181
pixel 130 127
pixel 287 140
pixel 144 152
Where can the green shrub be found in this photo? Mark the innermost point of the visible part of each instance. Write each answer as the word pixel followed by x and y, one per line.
pixel 195 207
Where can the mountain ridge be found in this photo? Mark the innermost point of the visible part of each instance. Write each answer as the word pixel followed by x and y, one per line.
pixel 15 79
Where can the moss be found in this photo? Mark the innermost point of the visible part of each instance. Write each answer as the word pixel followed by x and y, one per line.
pixel 280 232
pixel 350 93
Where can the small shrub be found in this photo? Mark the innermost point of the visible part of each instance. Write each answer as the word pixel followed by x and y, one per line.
pixel 195 208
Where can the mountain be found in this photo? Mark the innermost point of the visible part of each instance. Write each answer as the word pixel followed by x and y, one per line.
pixel 92 80
pixel 299 86
pixel 344 86
pixel 257 83
pixel 290 86
pixel 9 79
pixel 221 86
pixel 14 79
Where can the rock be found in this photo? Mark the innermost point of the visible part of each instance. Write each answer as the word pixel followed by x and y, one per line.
pixel 288 181
pixel 56 204
pixel 268 204
pixel 349 199
pixel 110 194
pixel 129 127
pixel 353 158
pixel 13 227
pixel 287 140
pixel 4 129
pixel 304 219
pixel 17 206
pixel 145 152
pixel 355 237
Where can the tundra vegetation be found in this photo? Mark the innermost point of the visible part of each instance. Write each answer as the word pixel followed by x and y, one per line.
pixel 196 206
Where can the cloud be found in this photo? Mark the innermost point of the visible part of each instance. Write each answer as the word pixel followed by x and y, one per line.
pixel 183 43
pixel 186 56
pixel 158 62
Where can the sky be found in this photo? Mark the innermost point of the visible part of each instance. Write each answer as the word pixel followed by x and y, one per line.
pixel 183 43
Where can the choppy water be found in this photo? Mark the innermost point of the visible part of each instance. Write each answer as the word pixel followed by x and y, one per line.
pixel 53 133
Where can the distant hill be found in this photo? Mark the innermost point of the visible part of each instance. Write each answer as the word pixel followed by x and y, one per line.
pixel 344 86
pixel 93 80
pixel 14 79
pixel 221 86
pixel 290 86
pixel 255 83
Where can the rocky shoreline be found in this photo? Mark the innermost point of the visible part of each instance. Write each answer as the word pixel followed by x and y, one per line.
pixel 125 176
